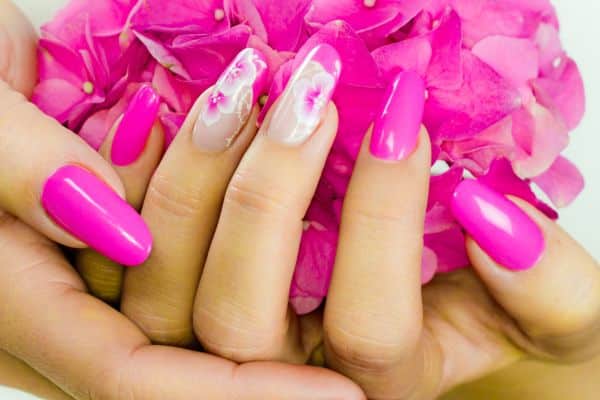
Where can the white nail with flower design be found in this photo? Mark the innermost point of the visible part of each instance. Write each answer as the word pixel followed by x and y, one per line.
pixel 305 100
pixel 230 102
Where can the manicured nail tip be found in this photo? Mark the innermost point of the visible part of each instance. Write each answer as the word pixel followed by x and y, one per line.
pixel 503 230
pixel 135 126
pixel 329 58
pixel 91 211
pixel 230 104
pixel 307 96
pixel 396 130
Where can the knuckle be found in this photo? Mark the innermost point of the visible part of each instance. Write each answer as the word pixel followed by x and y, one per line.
pixel 368 352
pixel 236 337
pixel 163 327
pixel 166 194
pixel 248 192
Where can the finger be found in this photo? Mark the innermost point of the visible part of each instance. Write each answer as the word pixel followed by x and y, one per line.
pixel 52 180
pixel 373 317
pixel 18 45
pixel 134 147
pixel 93 352
pixel 241 308
pixel 184 200
pixel 540 275
pixel 16 374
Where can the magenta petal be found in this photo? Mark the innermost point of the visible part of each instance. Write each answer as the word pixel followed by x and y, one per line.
pixel 483 99
pixel 47 92
pixel 562 182
pixel 541 137
pixel 107 18
pixel 95 129
pixel 284 22
pixel 245 12
pixel 205 57
pixel 562 90
pixel 315 262
pixel 449 247
pixel 163 55
pixel 445 70
pixel 412 54
pixel 499 52
pixel 373 22
pixel 194 16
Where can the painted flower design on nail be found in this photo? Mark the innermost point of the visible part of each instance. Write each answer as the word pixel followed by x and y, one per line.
pixel 312 95
pixel 237 81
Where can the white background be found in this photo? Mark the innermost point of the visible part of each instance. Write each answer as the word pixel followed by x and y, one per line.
pixel 580 33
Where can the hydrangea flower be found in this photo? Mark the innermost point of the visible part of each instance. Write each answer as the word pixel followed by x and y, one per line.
pixel 503 95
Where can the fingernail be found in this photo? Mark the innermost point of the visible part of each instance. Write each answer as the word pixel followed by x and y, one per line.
pixel 305 100
pixel 500 228
pixel 231 101
pixel 91 211
pixel 135 127
pixel 397 127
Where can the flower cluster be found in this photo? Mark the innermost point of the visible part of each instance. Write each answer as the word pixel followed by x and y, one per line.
pixel 502 94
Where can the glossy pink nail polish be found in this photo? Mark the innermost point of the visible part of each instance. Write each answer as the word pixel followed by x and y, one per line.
pixel 135 127
pixel 397 127
pixel 92 212
pixel 501 228
pixel 304 102
pixel 230 104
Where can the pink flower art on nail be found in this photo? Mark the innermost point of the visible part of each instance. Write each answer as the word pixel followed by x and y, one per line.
pixel 234 92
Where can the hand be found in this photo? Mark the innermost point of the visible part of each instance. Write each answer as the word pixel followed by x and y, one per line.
pixel 44 166
pixel 533 291
pixel 46 317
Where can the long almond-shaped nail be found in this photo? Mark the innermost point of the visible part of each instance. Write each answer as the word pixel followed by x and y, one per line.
pixel 135 127
pixel 397 126
pixel 91 211
pixel 305 100
pixel 501 228
pixel 230 103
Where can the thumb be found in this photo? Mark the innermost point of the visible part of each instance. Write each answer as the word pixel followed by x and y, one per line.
pixel 545 281
pixel 18 43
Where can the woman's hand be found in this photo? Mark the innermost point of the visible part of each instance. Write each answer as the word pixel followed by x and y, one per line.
pixel 47 319
pixel 534 291
pixel 49 177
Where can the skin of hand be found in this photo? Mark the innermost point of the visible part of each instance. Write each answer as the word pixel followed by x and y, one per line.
pixel 47 318
pixel 235 234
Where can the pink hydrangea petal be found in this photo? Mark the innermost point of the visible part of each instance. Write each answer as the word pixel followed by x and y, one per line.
pixel 445 69
pixel 45 97
pixel 562 182
pixel 315 261
pixel 245 12
pixel 412 54
pixel 483 99
pixel 373 22
pixel 163 55
pixel 499 52
pixel 95 129
pixel 284 22
pixel 107 18
pixel 549 45
pixel 172 123
pixel 198 16
pixel 449 247
pixel 541 138
pixel 206 57
pixel 562 90
pixel 58 61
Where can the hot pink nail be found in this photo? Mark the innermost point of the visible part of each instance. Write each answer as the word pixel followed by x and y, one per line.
pixel 397 128
pixel 501 228
pixel 304 102
pixel 135 126
pixel 230 104
pixel 91 211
